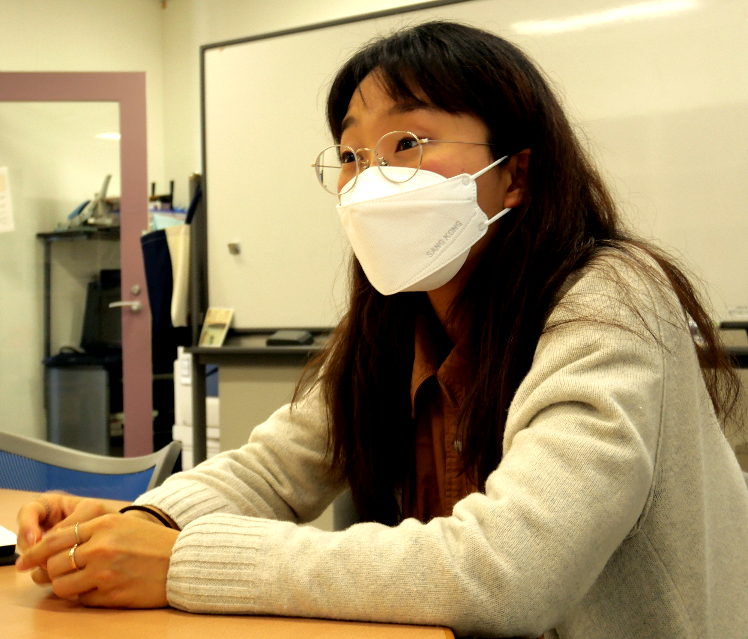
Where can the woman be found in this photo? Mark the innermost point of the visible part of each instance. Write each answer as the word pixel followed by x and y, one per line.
pixel 530 434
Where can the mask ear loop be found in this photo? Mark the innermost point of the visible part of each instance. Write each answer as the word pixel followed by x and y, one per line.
pixel 475 176
pixel 498 216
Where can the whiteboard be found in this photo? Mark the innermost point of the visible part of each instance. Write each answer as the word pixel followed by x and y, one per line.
pixel 658 89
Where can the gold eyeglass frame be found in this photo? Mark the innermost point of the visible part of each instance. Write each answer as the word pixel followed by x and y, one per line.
pixel 380 162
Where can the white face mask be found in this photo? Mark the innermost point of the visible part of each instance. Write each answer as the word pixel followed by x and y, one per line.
pixel 414 235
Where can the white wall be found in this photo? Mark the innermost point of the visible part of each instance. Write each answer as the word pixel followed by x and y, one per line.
pixel 54 165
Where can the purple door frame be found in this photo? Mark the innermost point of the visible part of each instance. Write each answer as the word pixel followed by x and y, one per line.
pixel 128 89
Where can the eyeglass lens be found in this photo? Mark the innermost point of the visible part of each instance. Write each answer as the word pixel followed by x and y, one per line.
pixel 338 166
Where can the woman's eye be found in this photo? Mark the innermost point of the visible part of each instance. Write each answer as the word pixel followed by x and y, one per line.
pixel 406 144
pixel 346 157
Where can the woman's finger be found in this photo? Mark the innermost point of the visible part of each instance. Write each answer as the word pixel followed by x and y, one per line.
pixel 72 584
pixel 52 543
pixel 68 560
pixel 30 519
pixel 85 510
pixel 40 577
pixel 42 513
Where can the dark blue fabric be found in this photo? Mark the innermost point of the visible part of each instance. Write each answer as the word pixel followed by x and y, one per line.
pixel 159 280
pixel 164 337
pixel 21 473
pixel 158 274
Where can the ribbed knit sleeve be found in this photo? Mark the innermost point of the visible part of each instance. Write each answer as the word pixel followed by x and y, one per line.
pixel 281 473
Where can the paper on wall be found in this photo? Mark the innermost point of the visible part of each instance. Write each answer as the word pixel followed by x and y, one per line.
pixel 6 210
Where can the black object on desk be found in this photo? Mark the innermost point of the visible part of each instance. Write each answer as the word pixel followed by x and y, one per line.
pixel 739 354
pixel 8 560
pixel 734 325
pixel 8 553
pixel 290 338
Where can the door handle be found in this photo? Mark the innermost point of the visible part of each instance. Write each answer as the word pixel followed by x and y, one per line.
pixel 134 305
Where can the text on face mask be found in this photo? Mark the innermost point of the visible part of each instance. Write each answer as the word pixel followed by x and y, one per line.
pixel 443 240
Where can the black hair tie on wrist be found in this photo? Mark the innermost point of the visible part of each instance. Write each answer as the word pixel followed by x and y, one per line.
pixel 150 511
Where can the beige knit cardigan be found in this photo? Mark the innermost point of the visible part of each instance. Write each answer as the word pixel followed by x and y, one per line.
pixel 618 509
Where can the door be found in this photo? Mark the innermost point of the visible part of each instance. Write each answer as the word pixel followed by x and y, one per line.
pixel 128 89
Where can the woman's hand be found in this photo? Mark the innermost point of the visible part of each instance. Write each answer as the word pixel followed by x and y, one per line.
pixel 53 510
pixel 120 562
pixel 49 511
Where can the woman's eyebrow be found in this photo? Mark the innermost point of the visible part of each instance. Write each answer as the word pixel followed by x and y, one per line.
pixel 399 108
pixel 347 121
pixel 410 105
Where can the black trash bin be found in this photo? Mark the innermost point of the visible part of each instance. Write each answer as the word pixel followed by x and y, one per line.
pixel 80 401
pixel 84 385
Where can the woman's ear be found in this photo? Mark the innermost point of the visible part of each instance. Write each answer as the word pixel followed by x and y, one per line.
pixel 518 167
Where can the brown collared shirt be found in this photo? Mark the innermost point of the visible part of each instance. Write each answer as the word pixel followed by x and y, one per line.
pixel 439 384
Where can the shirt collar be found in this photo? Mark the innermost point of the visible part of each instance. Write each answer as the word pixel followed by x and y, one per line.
pixel 454 372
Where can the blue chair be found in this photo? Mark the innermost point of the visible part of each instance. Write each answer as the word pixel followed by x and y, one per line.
pixel 35 465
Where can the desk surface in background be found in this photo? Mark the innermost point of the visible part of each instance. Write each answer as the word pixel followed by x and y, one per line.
pixel 30 612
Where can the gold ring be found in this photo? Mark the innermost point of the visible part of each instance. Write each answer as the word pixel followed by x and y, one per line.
pixel 44 502
pixel 72 558
pixel 77 535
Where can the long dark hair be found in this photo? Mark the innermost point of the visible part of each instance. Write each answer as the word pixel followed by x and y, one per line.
pixel 566 219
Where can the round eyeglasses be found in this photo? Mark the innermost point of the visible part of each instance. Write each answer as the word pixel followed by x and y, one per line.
pixel 338 166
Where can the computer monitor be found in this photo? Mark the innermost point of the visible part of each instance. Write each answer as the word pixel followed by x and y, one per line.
pixel 102 326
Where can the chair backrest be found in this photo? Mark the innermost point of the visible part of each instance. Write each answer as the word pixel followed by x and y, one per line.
pixel 35 465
